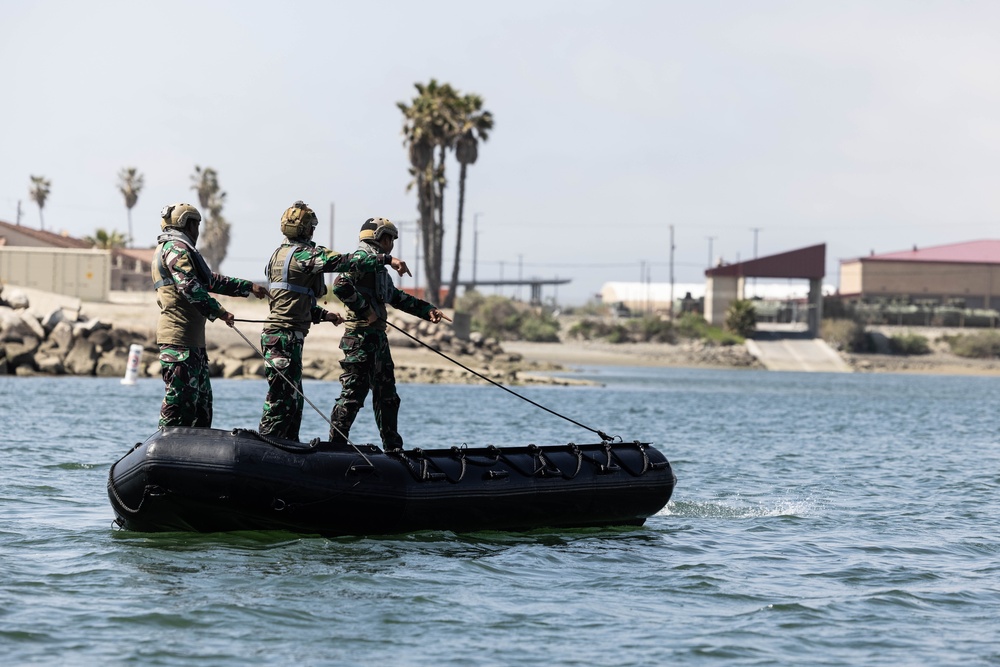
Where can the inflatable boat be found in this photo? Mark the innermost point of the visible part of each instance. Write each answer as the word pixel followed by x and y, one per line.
pixel 206 480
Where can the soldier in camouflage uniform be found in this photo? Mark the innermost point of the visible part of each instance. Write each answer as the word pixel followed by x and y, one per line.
pixel 182 281
pixel 295 276
pixel 367 361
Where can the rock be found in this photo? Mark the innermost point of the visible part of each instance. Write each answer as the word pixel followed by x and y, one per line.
pixel 17 325
pixel 49 363
pixel 54 317
pixel 82 357
pixel 112 364
pixel 15 298
pixel 240 352
pixel 87 327
pixel 32 323
pixel 62 336
pixel 253 368
pixel 25 371
pixel 232 368
pixel 21 353
pixel 101 339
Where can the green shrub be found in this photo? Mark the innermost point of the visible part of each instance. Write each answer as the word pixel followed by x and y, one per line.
pixel 848 335
pixel 618 334
pixel 655 330
pixel 909 344
pixel 983 345
pixel 539 329
pixel 741 318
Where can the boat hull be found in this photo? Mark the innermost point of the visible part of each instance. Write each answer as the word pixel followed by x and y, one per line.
pixel 206 480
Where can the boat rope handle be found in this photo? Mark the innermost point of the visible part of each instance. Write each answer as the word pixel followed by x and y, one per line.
pixel 604 436
pixel 296 390
pixel 114 491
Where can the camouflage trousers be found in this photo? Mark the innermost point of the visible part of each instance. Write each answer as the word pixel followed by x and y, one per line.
pixel 367 365
pixel 283 404
pixel 188 398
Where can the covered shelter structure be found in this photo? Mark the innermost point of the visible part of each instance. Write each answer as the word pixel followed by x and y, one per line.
pixel 727 283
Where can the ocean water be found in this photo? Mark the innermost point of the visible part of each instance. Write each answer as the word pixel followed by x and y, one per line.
pixel 818 519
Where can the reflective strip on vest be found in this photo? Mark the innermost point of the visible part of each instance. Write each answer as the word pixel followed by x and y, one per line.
pixel 284 284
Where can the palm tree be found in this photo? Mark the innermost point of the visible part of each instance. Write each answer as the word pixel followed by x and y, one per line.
pixel 106 240
pixel 429 125
pixel 130 183
pixel 39 191
pixel 475 124
pixel 215 233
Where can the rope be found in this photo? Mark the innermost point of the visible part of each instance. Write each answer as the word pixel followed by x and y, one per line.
pixel 296 390
pixel 604 436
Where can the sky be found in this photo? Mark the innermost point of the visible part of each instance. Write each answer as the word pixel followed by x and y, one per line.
pixel 744 127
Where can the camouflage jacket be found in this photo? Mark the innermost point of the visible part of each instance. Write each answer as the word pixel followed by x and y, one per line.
pixel 295 281
pixel 183 281
pixel 364 292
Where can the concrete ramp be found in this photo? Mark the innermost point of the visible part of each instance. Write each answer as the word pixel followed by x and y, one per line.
pixel 784 352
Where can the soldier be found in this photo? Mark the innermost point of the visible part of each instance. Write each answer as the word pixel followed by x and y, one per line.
pixel 182 281
pixel 367 362
pixel 295 276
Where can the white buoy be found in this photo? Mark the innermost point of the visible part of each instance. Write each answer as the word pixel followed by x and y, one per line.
pixel 132 367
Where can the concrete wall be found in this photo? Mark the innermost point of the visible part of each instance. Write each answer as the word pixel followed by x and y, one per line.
pixel 85 274
pixel 978 284
pixel 850 277
pixel 720 291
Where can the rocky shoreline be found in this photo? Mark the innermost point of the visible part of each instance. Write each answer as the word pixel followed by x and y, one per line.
pixel 64 340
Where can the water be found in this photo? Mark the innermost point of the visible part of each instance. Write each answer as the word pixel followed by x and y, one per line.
pixel 818 519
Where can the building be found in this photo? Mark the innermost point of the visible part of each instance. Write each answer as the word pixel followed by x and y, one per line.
pixel 966 275
pixel 67 265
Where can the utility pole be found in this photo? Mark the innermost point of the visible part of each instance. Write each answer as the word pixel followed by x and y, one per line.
pixel 670 311
pixel 519 260
pixel 710 260
pixel 643 295
pixel 755 230
pixel 475 245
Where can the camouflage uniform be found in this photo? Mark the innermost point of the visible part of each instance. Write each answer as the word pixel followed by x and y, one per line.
pixel 182 281
pixel 295 273
pixel 367 360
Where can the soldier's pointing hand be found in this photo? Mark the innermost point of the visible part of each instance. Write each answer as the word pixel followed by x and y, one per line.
pixel 400 267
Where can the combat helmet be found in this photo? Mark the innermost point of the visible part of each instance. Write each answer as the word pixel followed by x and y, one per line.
pixel 375 228
pixel 298 221
pixel 178 216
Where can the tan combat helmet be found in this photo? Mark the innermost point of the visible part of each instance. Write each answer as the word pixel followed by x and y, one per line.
pixel 376 228
pixel 178 216
pixel 298 221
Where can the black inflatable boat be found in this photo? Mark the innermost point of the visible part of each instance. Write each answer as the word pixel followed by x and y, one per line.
pixel 188 479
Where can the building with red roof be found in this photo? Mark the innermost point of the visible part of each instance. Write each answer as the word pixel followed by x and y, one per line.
pixel 128 268
pixel 964 274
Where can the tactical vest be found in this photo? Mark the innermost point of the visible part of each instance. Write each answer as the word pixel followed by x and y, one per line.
pixel 377 288
pixel 292 291
pixel 179 323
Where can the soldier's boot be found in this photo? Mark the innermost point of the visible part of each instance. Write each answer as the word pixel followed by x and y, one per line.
pixel 388 425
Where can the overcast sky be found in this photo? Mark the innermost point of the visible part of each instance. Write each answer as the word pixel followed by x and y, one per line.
pixel 864 125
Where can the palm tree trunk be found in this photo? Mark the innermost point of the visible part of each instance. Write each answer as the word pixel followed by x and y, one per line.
pixel 453 286
pixel 41 218
pixel 129 240
pixel 425 193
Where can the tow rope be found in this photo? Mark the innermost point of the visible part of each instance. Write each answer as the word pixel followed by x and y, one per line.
pixel 604 436
pixel 274 368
